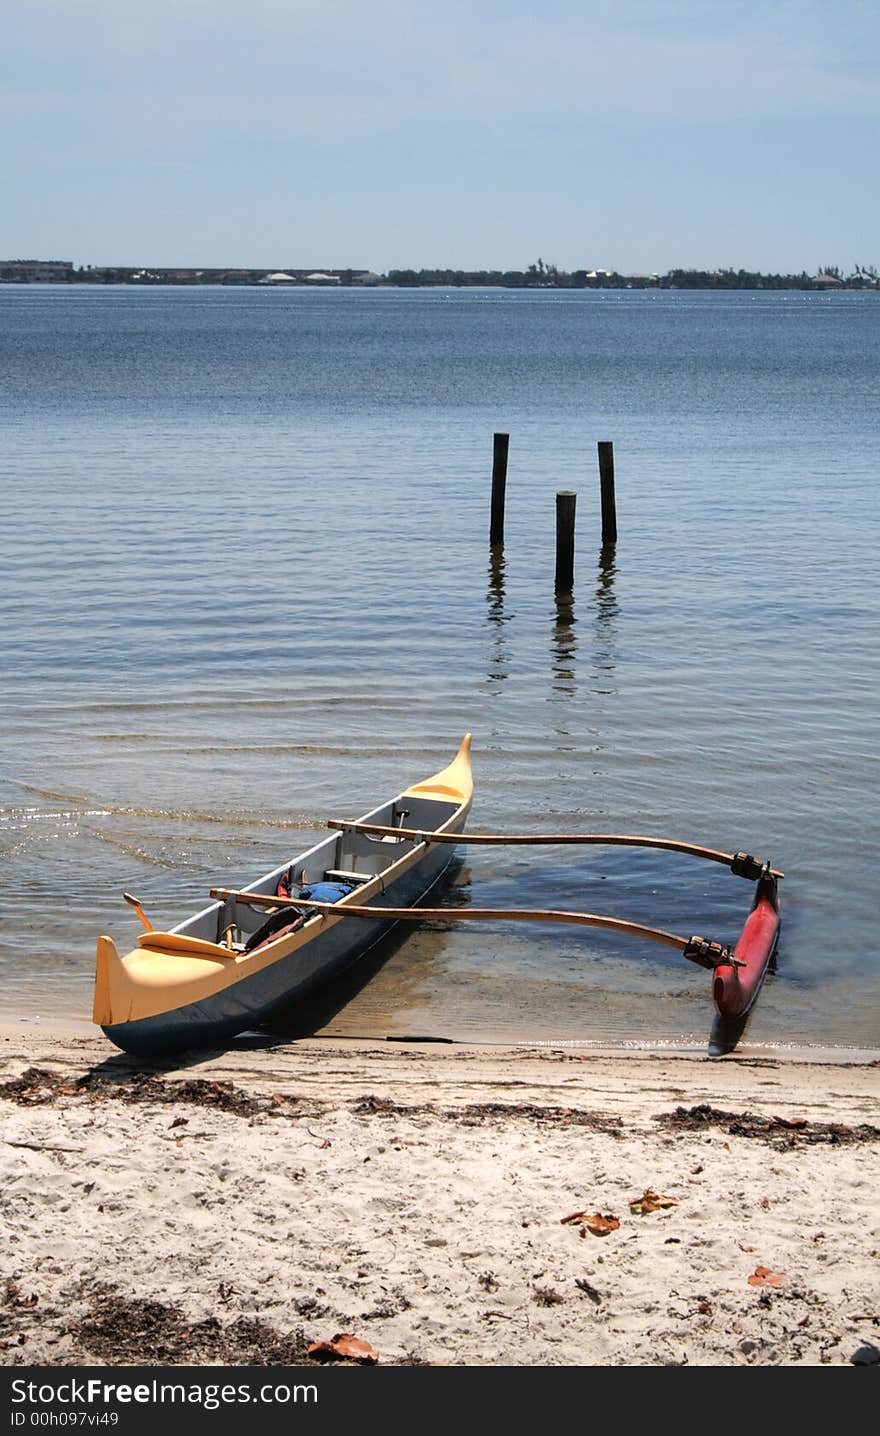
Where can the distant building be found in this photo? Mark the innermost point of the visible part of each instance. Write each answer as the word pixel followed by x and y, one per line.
pixel 320 278
pixel 828 281
pixel 34 271
pixel 279 277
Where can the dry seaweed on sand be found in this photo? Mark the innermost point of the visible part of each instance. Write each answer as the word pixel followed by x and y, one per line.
pixel 475 1113
pixel 39 1087
pixel 122 1330
pixel 782 1131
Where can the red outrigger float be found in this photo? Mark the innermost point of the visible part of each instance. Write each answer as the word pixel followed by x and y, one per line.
pixel 736 983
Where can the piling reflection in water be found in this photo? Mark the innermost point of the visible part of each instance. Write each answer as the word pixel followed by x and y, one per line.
pixel 564 646
pixel 499 660
pixel 605 628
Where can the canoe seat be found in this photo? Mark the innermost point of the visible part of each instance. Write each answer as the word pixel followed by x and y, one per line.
pixel 341 875
pixel 180 943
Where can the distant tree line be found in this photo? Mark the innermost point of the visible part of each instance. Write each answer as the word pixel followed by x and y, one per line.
pixel 826 276
pixel 150 274
pixel 543 276
pixel 485 278
pixel 539 275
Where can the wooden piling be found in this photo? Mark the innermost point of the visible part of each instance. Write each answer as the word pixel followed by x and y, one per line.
pixel 566 501
pixel 606 488
pixel 500 448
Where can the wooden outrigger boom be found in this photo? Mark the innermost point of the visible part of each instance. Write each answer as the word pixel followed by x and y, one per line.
pixel 697 949
pixel 743 864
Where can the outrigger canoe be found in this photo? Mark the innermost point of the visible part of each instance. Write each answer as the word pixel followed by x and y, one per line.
pixel 232 967
pixel 228 968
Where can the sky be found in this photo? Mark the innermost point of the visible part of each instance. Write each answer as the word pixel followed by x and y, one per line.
pixel 635 135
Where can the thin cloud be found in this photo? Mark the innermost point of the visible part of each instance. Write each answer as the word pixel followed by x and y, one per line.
pixel 350 68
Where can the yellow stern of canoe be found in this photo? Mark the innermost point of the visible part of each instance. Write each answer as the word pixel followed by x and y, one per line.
pixel 135 987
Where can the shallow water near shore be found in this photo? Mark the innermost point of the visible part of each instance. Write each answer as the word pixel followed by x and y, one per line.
pixel 248 587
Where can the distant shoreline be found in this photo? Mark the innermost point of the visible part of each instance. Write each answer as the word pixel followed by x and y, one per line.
pixel 544 278
pixel 499 288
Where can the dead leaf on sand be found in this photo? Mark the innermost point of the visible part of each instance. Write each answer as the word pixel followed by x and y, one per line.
pixel 597 1223
pixel 763 1276
pixel 344 1347
pixel 651 1202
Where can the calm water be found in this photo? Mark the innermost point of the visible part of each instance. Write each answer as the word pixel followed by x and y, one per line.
pixel 247 587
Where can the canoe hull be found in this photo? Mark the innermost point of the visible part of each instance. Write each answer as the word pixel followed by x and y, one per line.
pixel 190 988
pixel 257 999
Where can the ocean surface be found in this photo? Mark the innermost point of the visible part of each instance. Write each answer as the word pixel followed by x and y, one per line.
pixel 247 586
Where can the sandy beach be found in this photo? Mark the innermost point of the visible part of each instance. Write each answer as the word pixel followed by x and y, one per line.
pixel 442 1205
